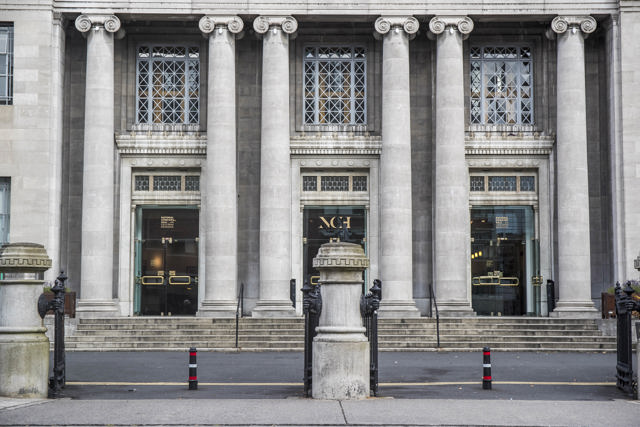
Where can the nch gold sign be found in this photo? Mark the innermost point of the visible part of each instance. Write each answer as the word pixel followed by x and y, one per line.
pixel 332 223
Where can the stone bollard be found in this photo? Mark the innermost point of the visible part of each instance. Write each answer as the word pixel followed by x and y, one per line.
pixel 24 348
pixel 340 350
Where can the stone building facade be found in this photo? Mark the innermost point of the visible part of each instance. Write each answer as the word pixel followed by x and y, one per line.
pixel 166 153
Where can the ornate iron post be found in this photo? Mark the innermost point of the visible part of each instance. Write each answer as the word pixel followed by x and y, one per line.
pixel 58 379
pixel 369 305
pixel 624 367
pixel 311 307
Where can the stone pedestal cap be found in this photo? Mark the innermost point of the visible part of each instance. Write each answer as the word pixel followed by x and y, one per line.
pixel 24 257
pixel 341 255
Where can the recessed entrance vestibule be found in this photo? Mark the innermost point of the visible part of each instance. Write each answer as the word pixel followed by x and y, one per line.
pixel 166 261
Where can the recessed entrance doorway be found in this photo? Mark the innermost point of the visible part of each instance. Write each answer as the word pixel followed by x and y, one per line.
pixel 166 261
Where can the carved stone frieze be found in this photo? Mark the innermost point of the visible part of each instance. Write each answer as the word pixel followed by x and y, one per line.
pixel 208 23
pixel 336 145
pixel 409 24
pixel 262 24
pixel 158 143
pixel 439 24
pixel 508 145
pixel 110 23
pixel 24 257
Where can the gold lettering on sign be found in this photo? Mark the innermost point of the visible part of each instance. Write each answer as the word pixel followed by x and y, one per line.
pixel 167 222
pixel 331 223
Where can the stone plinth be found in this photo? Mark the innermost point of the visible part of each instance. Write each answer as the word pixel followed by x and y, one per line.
pixel 24 347
pixel 340 350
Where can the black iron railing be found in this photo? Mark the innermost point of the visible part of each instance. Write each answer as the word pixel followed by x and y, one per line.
pixel 435 305
pixel 625 305
pixel 369 305
pixel 311 307
pixel 239 310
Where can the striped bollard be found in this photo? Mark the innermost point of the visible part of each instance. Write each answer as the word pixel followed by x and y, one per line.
pixel 486 368
pixel 193 369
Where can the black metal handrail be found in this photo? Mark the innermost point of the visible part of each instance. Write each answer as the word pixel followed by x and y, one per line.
pixel 239 310
pixel 625 305
pixel 435 305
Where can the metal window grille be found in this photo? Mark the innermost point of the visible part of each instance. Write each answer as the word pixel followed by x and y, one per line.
pixel 310 183
pixel 167 183
pixel 501 85
pixel 6 64
pixel 142 183
pixel 527 183
pixel 191 183
pixel 5 209
pixel 168 84
pixel 359 183
pixel 477 183
pixel 334 183
pixel 334 85
pixel 502 183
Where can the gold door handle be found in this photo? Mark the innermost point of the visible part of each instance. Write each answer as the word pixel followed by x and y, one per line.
pixel 152 280
pixel 180 280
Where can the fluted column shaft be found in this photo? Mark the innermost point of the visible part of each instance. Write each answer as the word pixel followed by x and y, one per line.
pixel 98 168
pixel 574 261
pixel 220 199
pixel 451 225
pixel 396 238
pixel 275 186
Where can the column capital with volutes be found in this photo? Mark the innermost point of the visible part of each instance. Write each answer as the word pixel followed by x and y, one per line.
pixel 462 24
pixel 561 24
pixel 233 24
pixel 263 23
pixel 110 23
pixel 408 24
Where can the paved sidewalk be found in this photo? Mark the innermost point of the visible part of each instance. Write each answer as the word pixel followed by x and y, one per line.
pixel 308 412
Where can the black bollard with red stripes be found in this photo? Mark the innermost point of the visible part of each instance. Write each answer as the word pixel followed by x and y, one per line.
pixel 486 368
pixel 193 369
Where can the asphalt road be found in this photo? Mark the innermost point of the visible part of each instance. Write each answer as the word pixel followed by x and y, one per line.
pixel 278 375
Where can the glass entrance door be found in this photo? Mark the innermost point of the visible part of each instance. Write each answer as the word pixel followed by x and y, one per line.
pixel 323 223
pixel 502 257
pixel 167 262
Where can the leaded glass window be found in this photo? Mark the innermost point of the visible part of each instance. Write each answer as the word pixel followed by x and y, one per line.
pixel 5 209
pixel 334 183
pixel 477 183
pixel 310 183
pixel 502 183
pixel 501 85
pixel 527 183
pixel 359 183
pixel 168 84
pixel 191 183
pixel 334 85
pixel 142 183
pixel 167 183
pixel 6 64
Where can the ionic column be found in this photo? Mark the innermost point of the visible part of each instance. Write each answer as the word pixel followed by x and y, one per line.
pixel 275 187
pixel 574 263
pixel 98 168
pixel 396 239
pixel 220 199
pixel 451 224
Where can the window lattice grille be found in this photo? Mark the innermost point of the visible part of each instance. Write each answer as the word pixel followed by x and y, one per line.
pixel 501 85
pixel 359 183
pixel 168 84
pixel 6 64
pixel 334 85
pixel 142 183
pixel 477 183
pixel 527 183
pixel 191 183
pixel 502 183
pixel 310 183
pixel 167 183
pixel 334 183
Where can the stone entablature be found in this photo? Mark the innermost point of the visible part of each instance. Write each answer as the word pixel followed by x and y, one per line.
pixel 508 145
pixel 336 145
pixel 156 143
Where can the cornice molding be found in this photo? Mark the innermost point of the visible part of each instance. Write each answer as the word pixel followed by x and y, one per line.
pixel 262 23
pixel 157 143
pixel 208 23
pixel 353 146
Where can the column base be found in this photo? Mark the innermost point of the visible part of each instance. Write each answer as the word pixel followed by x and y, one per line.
pixel 92 308
pixel 580 309
pixel 340 370
pixel 218 308
pixel 455 309
pixel 398 309
pixel 273 309
pixel 24 363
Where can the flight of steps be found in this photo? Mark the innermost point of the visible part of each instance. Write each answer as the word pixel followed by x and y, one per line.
pixel 419 334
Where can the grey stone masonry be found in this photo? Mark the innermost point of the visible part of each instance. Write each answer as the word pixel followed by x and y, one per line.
pixel 451 229
pixel 221 207
pixel 275 186
pixel 98 170
pixel 574 267
pixel 395 176
pixel 24 348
